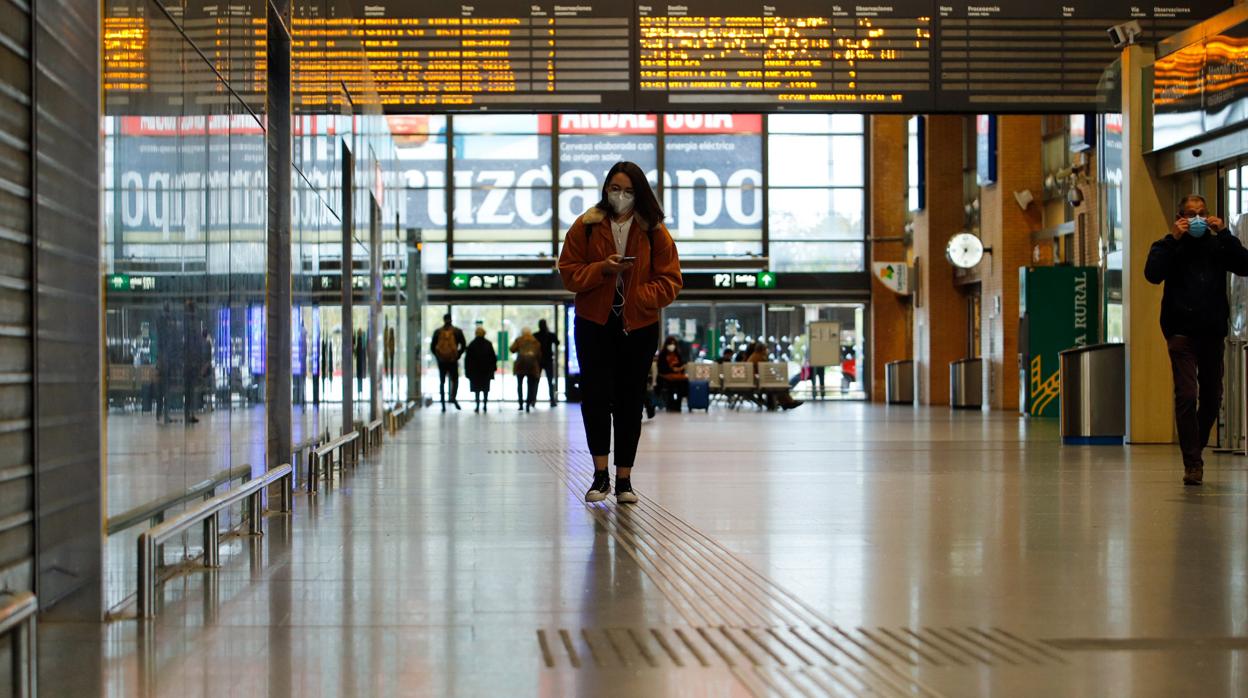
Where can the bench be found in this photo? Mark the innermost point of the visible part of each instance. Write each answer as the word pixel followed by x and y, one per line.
pixel 742 382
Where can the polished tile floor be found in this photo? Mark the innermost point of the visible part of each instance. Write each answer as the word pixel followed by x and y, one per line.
pixel 840 549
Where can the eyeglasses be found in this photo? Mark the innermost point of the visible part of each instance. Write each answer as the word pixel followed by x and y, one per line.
pixel 1203 213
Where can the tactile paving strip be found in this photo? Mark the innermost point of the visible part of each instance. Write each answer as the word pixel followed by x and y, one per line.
pixel 740 620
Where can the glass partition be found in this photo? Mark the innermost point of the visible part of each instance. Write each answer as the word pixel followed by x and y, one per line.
pixel 185 210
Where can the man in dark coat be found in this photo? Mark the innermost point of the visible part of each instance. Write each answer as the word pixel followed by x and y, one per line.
pixel 549 342
pixel 1192 260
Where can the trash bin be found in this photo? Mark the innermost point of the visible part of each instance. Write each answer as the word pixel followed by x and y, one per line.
pixel 1094 394
pixel 966 384
pixel 899 382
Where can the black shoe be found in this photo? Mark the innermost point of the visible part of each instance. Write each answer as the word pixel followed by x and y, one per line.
pixel 1193 476
pixel 650 411
pixel 456 404
pixel 601 487
pixel 444 407
pixel 624 493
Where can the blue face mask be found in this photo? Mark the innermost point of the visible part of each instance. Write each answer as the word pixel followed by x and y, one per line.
pixel 1197 227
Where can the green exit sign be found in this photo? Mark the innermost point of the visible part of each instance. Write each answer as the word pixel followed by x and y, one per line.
pixel 459 281
pixel 126 282
pixel 766 279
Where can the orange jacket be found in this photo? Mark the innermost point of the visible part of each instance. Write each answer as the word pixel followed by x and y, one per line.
pixel 650 286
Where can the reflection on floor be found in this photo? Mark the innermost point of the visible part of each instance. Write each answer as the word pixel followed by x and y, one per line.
pixel 840 549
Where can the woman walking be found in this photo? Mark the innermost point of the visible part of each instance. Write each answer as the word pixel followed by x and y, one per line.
pixel 480 363
pixel 528 367
pixel 621 262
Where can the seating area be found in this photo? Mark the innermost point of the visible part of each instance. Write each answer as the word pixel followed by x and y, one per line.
pixel 737 384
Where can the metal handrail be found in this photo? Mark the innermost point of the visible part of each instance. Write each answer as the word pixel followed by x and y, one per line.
pixel 373 430
pixel 154 511
pixel 19 611
pixel 208 514
pixel 316 459
pixel 397 414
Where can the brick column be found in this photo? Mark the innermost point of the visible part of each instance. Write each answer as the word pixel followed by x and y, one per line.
pixel 891 336
pixel 940 322
pixel 1007 229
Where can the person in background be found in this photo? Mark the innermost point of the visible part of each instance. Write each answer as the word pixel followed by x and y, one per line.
pixel 1192 260
pixel 448 346
pixel 783 398
pixel 621 262
pixel 673 382
pixel 190 363
pixel 163 346
pixel 549 343
pixel 208 382
pixel 360 353
pixel 727 356
pixel 849 370
pixel 527 367
pixel 480 364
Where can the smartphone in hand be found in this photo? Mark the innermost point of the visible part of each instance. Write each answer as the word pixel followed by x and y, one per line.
pixel 627 260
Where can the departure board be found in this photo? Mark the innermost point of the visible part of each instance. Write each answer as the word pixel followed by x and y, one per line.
pixel 1021 56
pixel 534 56
pixel 798 53
pixel 906 56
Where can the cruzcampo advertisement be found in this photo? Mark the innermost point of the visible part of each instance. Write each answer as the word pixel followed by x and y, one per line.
pixel 1060 310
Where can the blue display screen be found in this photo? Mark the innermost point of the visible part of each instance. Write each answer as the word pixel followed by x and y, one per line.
pixel 255 339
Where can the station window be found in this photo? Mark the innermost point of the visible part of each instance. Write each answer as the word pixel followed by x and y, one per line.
pixel 589 144
pixel 816 192
pixel 1237 193
pixel 505 199
pixel 420 151
pixel 502 186
pixel 712 181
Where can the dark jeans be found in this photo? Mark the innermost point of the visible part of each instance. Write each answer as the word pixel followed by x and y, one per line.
pixel 188 395
pixel 162 395
pixel 528 397
pixel 673 392
pixel 549 370
pixel 448 372
pixel 614 369
pixel 1197 366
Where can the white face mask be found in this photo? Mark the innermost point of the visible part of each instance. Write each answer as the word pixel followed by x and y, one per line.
pixel 621 201
pixel 671 347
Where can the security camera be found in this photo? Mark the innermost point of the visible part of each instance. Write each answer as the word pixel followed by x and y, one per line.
pixel 1124 34
pixel 1074 197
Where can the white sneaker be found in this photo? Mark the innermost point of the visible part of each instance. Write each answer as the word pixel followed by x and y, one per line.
pixel 624 493
pixel 601 487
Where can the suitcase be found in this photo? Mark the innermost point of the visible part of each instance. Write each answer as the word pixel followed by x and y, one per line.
pixel 699 395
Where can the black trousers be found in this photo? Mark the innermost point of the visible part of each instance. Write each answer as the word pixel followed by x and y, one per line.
pixel 548 369
pixel 614 371
pixel 1197 366
pixel 528 381
pixel 448 371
